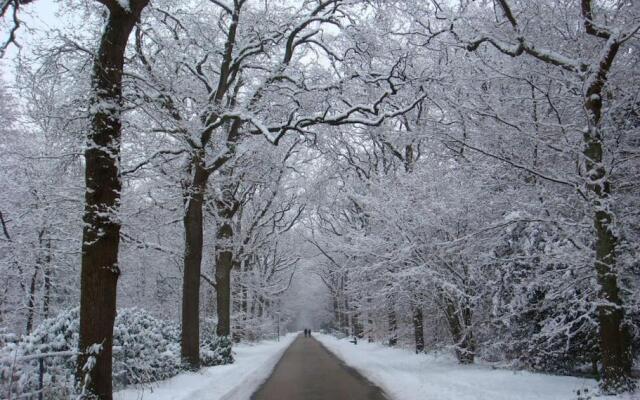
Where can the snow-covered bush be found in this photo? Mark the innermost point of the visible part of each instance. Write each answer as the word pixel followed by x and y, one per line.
pixel 54 340
pixel 7 337
pixel 146 349
pixel 545 323
pixel 216 351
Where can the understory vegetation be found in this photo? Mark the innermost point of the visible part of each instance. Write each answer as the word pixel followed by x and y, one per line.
pixel 146 350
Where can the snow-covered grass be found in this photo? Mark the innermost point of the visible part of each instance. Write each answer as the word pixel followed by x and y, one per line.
pixel 404 375
pixel 252 366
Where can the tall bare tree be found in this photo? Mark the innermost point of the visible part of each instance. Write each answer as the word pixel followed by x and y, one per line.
pixel 101 232
pixel 614 336
pixel 233 102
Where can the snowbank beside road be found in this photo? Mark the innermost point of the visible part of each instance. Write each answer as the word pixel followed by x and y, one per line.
pixel 404 375
pixel 237 381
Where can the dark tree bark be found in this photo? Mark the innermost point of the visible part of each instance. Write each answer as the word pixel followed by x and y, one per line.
pixel 393 328
pixel 194 201
pixel 392 319
pixel 46 297
pixel 101 233
pixel 418 328
pixel 347 316
pixel 260 307
pixel 358 329
pixel 459 321
pixel 32 300
pixel 223 294
pixel 615 340
pixel 241 306
pixel 190 337
pixel 244 302
pixel 336 310
pixel 369 321
pixel 226 206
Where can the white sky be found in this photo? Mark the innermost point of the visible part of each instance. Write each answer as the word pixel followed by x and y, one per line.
pixel 35 17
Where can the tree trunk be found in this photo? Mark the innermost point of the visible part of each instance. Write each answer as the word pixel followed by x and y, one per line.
pixel 358 329
pixel 614 340
pixel 224 259
pixel 194 200
pixel 615 343
pixel 369 320
pixel 347 312
pixel 259 302
pixel 393 328
pixel 46 298
pixel 244 304
pixel 223 293
pixel 459 321
pixel 31 300
pixel 469 340
pixel 101 232
pixel 236 310
pixel 418 330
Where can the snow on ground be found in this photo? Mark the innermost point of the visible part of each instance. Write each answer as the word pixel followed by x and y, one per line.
pixel 253 365
pixel 404 375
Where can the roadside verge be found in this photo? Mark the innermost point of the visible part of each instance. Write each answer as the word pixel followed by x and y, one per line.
pixel 253 365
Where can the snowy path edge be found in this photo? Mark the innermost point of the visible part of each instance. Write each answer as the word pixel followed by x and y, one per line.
pixel 403 375
pixel 259 375
pixel 253 365
pixel 326 341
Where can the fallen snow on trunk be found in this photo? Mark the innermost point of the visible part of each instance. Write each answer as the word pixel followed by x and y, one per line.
pixel 404 375
pixel 253 365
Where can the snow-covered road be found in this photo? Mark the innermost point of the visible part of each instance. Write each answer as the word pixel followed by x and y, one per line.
pixel 404 375
pixel 253 365
pixel 400 373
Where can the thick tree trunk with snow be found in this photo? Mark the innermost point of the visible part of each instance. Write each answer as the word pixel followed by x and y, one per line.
pixel 615 346
pixel 101 233
pixel 193 222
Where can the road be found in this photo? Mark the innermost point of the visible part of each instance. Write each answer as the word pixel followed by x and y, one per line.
pixel 308 371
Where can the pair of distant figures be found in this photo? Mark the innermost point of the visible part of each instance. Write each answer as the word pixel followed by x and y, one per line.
pixel 307 333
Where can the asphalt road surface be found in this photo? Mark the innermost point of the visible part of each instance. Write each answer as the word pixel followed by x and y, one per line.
pixel 307 371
